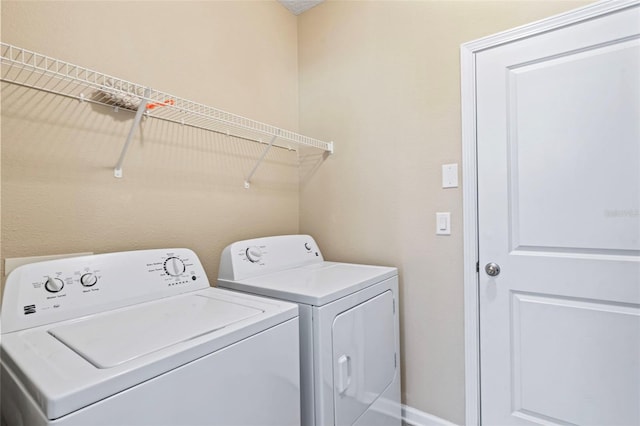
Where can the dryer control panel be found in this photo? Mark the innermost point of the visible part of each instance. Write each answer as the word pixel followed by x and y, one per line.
pixel 46 292
pixel 259 256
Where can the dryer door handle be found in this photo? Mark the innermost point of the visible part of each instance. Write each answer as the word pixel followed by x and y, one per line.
pixel 344 373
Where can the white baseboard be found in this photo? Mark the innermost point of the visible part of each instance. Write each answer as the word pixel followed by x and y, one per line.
pixel 414 417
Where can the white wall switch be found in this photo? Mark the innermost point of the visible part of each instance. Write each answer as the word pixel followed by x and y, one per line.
pixel 443 223
pixel 450 175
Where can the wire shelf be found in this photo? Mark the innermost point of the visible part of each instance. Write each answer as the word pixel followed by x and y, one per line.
pixel 34 70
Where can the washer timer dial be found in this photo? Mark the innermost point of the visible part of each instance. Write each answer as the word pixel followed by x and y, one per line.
pixel 174 266
pixel 254 254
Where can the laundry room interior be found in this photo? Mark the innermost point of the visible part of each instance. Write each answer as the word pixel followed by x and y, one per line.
pixel 379 81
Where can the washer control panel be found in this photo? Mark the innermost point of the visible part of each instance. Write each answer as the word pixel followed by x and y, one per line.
pixel 46 292
pixel 248 258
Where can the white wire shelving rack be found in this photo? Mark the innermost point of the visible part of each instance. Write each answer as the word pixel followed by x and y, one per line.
pixel 41 72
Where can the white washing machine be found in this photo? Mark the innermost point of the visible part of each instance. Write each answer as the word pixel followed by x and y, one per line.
pixel 138 338
pixel 349 332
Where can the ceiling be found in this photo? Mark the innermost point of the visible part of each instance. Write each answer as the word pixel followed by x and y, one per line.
pixel 298 6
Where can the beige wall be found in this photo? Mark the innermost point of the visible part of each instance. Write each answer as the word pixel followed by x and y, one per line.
pixel 382 79
pixel 181 187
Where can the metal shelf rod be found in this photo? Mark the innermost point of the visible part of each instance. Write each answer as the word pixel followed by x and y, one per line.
pixel 247 181
pixel 117 171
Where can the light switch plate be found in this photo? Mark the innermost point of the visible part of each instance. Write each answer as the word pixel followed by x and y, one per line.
pixel 443 223
pixel 450 175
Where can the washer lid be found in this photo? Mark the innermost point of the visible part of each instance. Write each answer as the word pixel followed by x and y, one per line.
pixel 316 284
pixel 117 337
pixel 63 367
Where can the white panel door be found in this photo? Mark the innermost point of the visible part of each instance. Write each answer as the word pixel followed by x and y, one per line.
pixel 558 131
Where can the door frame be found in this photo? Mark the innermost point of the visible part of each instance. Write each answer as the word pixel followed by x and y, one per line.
pixel 470 177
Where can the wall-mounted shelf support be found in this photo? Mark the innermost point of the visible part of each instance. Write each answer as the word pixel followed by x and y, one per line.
pixel 117 171
pixel 247 181
pixel 34 70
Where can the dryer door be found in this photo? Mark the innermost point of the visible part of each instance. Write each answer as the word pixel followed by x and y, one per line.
pixel 363 356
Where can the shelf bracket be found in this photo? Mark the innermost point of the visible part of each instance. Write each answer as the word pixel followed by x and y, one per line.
pixel 117 171
pixel 247 181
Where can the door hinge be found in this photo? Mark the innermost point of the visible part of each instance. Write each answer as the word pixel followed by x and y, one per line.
pixel 477 266
pixel 395 360
pixel 394 306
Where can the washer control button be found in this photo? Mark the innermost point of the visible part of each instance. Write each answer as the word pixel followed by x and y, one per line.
pixel 53 285
pixel 254 254
pixel 89 279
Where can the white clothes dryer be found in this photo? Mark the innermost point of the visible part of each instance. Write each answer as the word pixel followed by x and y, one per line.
pixel 349 332
pixel 139 338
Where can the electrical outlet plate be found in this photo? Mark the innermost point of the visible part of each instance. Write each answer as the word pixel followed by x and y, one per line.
pixel 450 175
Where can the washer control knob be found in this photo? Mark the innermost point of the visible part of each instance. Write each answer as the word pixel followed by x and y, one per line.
pixel 307 246
pixel 174 266
pixel 89 279
pixel 254 254
pixel 53 285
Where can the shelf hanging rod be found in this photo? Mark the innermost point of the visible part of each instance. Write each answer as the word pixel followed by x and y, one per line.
pixel 247 182
pixel 83 98
pixel 220 132
pixel 117 172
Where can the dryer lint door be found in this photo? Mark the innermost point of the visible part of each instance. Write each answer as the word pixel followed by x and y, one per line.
pixel 363 356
